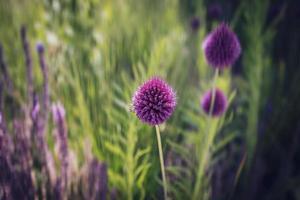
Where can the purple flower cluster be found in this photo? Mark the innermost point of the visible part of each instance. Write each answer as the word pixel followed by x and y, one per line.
pixel 27 164
pixel 61 136
pixel 97 180
pixel 221 47
pixel 16 180
pixel 218 107
pixel 154 101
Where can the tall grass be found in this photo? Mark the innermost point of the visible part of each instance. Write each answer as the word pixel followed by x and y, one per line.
pixel 257 69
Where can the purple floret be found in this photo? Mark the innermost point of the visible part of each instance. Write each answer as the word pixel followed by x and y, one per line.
pixel 221 47
pixel 154 101
pixel 220 103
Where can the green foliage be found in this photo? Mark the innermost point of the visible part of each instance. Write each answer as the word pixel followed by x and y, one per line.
pixel 257 62
pixel 99 52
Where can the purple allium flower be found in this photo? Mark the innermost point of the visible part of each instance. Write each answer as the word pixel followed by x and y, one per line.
pixel 195 23
pixel 221 47
pixel 154 101
pixel 220 103
pixel 214 11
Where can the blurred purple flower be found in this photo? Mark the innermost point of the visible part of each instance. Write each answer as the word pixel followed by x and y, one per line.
pixel 21 185
pixel 58 112
pixel 220 103
pixel 195 23
pixel 28 61
pixel 6 143
pixel 23 174
pixel 37 131
pixel 40 48
pixel 46 96
pixel 35 108
pixel 40 118
pixel 1 96
pixel 50 165
pixel 114 194
pixel 4 70
pixel 61 136
pixel 58 191
pixel 221 47
pixel 6 168
pixel 154 101
pixel 97 180
pixel 214 11
pixel 22 147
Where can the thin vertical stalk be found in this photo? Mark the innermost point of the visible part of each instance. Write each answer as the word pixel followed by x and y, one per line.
pixel 44 69
pixel 208 139
pixel 162 165
pixel 28 61
pixel 4 69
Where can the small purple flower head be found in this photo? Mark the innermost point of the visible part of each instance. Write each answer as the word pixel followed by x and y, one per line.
pixel 220 103
pixel 195 23
pixel 154 101
pixel 221 47
pixel 40 47
pixel 214 11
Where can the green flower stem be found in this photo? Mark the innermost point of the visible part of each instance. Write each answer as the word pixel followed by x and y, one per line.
pixel 162 165
pixel 207 143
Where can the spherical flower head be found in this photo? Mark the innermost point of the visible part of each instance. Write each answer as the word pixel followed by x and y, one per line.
pixel 154 101
pixel 219 106
pixel 221 47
